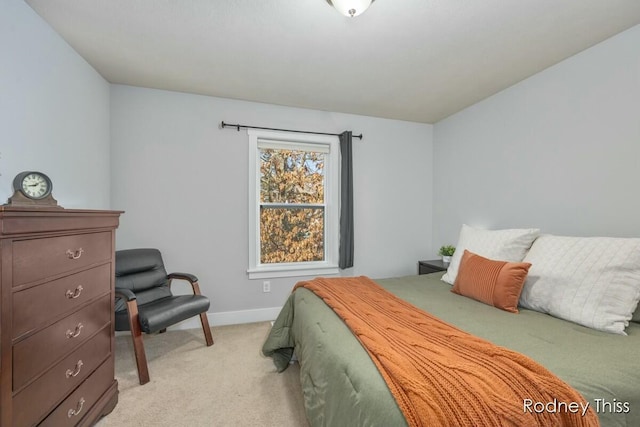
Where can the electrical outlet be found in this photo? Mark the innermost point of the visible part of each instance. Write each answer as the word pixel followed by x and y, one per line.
pixel 266 286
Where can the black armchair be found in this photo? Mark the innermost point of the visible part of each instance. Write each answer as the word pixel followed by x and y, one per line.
pixel 145 302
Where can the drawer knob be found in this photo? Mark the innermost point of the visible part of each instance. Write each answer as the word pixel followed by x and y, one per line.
pixel 74 254
pixel 74 412
pixel 76 332
pixel 74 294
pixel 75 372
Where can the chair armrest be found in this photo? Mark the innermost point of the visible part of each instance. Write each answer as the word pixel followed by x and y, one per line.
pixel 183 276
pixel 126 294
pixel 188 277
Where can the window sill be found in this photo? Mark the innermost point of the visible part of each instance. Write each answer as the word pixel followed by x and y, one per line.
pixel 288 271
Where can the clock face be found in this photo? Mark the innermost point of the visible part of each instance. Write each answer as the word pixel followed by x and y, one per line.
pixel 35 186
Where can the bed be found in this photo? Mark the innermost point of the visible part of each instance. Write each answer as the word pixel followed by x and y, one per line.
pixel 343 387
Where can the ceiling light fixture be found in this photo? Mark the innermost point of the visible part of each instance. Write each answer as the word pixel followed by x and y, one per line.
pixel 350 7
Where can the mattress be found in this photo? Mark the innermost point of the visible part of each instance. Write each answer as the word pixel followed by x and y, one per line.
pixel 342 386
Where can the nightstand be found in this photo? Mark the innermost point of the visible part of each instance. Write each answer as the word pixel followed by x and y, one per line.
pixel 431 266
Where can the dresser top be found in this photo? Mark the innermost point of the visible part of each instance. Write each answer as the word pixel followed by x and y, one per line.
pixel 26 210
pixel 28 220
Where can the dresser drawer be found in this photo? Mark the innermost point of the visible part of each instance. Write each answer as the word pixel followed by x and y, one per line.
pixel 33 307
pixel 40 397
pixel 36 353
pixel 41 258
pixel 74 407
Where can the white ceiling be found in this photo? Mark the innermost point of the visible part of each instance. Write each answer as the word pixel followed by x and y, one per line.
pixel 416 60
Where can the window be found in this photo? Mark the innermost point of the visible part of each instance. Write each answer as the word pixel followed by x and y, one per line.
pixel 293 204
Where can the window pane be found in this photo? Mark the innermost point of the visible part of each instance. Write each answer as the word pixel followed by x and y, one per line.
pixel 291 176
pixel 291 234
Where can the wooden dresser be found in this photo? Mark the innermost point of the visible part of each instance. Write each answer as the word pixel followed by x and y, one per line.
pixel 56 316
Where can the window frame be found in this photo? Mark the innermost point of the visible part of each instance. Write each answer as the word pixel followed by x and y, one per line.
pixel 287 140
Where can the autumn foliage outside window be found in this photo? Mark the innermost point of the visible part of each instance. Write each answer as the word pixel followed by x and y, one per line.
pixel 292 205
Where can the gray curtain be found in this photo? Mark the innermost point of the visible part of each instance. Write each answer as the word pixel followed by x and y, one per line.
pixel 346 202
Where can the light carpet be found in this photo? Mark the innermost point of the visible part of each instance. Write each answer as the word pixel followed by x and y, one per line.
pixel 227 384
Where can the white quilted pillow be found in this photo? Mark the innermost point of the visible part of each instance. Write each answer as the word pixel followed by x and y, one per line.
pixel 500 245
pixel 593 281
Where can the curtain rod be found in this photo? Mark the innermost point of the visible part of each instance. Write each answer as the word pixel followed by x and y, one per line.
pixel 228 125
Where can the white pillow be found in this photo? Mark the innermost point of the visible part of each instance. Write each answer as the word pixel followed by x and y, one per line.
pixel 593 281
pixel 500 245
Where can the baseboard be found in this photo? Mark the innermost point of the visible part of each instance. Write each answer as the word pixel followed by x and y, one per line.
pixel 232 318
pixel 243 316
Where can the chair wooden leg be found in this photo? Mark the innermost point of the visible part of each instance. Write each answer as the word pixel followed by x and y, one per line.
pixel 138 346
pixel 203 317
pixel 207 330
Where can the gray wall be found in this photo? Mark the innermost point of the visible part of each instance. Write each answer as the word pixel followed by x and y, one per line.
pixel 559 151
pixel 183 183
pixel 54 112
pixel 55 116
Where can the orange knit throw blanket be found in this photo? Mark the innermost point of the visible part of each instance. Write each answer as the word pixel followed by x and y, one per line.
pixel 442 376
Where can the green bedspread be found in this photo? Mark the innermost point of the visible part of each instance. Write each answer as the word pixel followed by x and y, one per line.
pixel 342 387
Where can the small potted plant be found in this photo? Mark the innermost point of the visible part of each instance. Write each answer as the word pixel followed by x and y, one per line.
pixel 446 252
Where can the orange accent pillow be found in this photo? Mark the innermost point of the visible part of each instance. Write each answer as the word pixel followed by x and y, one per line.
pixel 497 283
